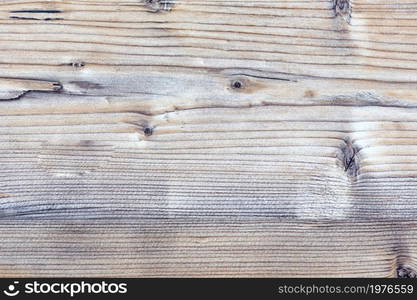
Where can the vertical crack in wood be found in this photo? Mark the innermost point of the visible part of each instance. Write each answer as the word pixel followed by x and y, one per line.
pixel 349 158
pixel 343 9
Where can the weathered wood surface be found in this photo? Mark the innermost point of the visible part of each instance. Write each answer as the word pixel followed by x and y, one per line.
pixel 208 138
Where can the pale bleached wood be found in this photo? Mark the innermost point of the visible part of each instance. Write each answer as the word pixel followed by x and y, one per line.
pixel 134 247
pixel 208 138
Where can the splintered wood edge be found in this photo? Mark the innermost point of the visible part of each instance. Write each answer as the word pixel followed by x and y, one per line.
pixel 14 89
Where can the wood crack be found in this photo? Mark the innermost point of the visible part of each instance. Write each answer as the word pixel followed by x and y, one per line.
pixel 35 14
pixel 37 19
pixel 37 11
pixel 15 89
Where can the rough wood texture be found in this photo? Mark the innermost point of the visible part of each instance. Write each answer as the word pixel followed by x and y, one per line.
pixel 208 138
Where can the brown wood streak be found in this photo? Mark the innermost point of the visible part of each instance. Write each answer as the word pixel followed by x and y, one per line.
pixel 208 138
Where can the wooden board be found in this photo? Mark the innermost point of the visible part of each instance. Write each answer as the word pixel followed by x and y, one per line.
pixel 208 138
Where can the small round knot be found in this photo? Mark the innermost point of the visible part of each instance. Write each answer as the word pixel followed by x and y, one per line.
pixel 148 131
pixel 237 84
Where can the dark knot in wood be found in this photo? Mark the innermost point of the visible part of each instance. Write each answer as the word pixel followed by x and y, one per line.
pixel 236 84
pixel 404 272
pixel 148 131
pixel 349 159
pixel 342 8
pixel 160 5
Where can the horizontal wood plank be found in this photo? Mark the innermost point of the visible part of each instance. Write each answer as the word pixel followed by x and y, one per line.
pixel 180 248
pixel 208 138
